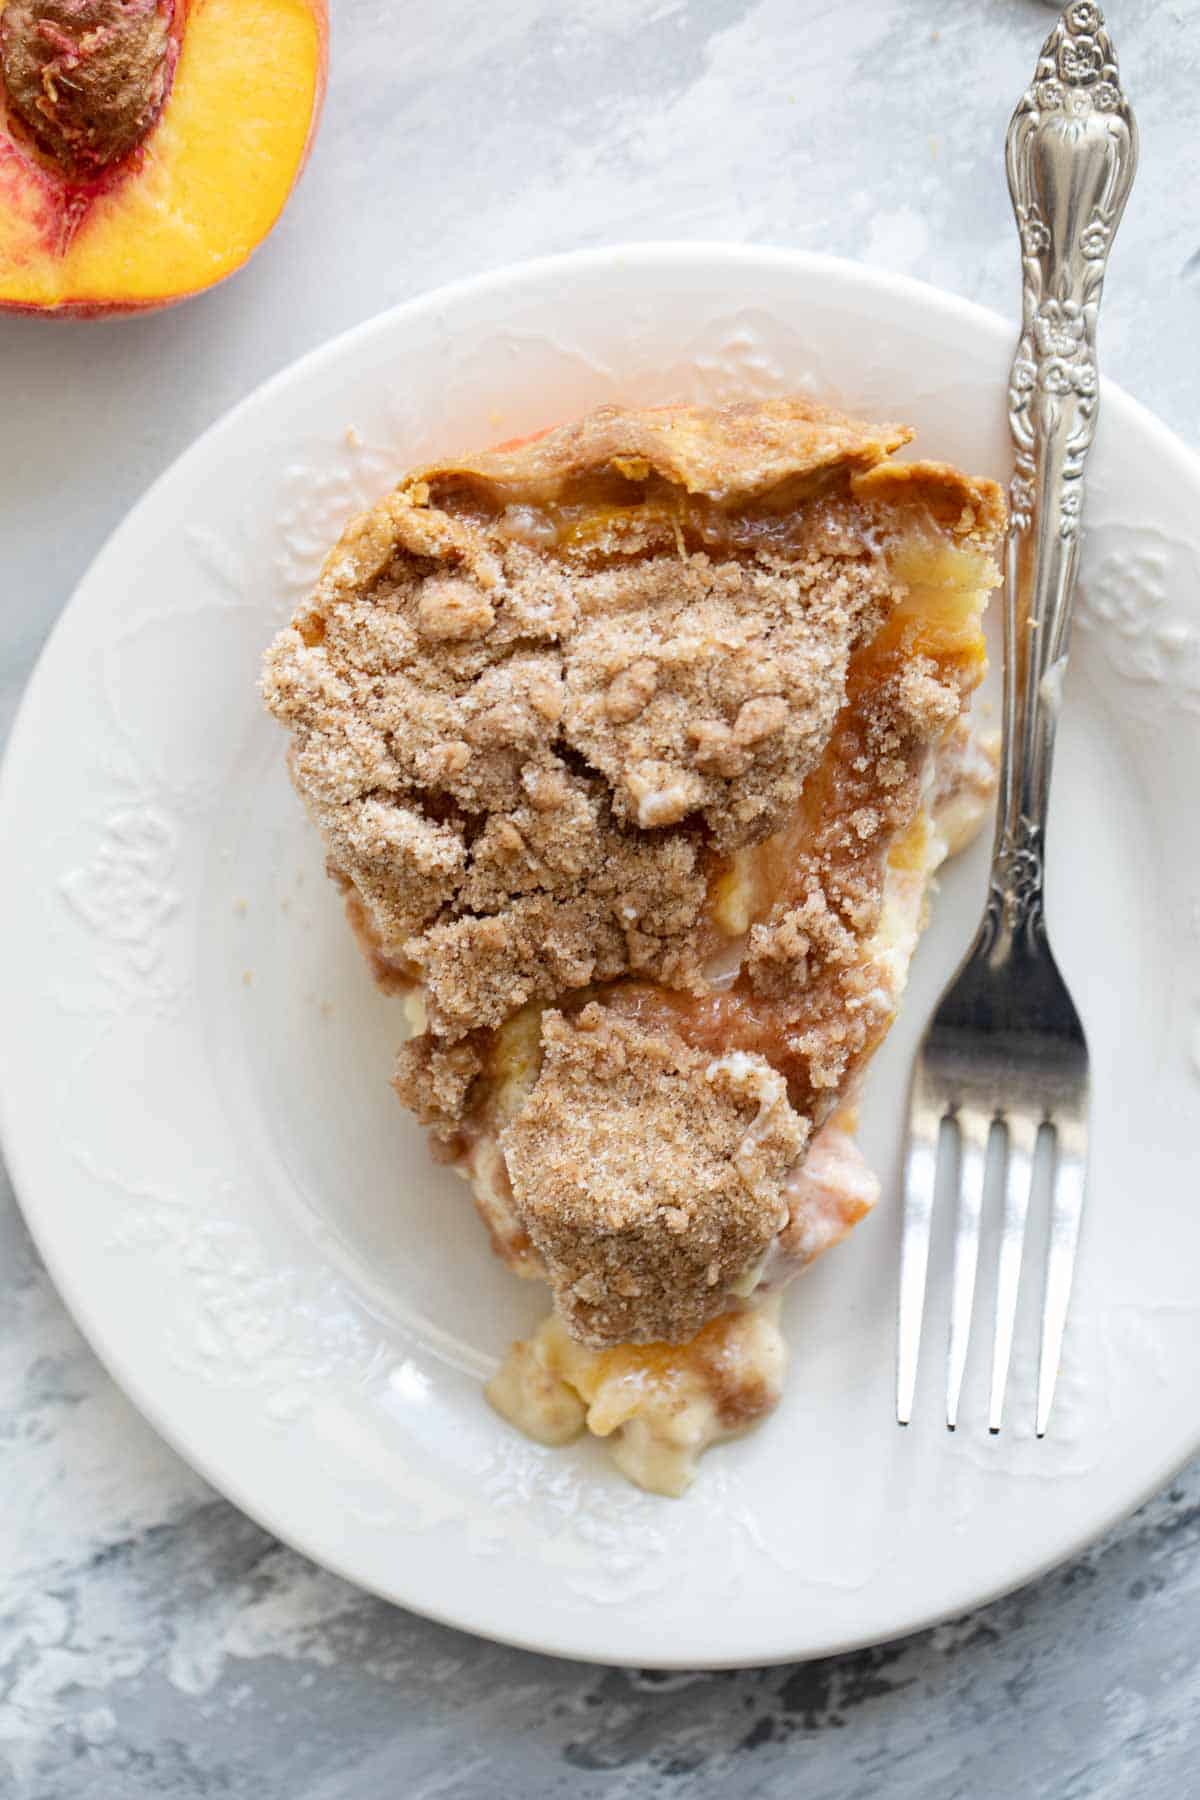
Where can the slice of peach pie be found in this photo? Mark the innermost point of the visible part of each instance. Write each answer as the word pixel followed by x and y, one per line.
pixel 634 747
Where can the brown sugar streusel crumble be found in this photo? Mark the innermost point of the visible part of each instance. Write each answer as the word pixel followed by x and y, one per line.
pixel 634 747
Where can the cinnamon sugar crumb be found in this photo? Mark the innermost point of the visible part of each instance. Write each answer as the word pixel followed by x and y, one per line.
pixel 517 757
pixel 641 1248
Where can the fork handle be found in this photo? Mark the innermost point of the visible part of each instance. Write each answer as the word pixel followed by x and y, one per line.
pixel 1071 154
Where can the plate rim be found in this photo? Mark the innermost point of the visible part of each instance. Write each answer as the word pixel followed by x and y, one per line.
pixel 652 254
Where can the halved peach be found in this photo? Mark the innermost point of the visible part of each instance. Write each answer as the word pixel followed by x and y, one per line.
pixel 147 146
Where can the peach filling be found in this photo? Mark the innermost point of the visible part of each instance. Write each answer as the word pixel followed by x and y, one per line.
pixel 659 1405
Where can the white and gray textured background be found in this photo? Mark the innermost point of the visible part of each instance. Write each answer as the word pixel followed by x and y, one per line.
pixel 153 1642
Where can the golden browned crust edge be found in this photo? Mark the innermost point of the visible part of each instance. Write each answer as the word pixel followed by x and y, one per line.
pixel 726 453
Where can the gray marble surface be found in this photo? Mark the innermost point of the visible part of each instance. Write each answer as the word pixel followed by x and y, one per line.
pixel 152 1641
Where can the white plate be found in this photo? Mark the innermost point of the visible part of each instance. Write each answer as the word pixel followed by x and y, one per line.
pixel 194 1062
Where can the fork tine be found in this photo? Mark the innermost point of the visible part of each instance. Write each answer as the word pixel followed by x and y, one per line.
pixel 920 1181
pixel 1070 1170
pixel 973 1131
pixel 1018 1181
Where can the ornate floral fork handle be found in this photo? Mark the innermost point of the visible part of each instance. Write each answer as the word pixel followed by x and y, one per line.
pixel 1071 156
pixel 1004 1060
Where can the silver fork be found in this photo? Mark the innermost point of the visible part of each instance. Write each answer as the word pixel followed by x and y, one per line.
pixel 1005 1055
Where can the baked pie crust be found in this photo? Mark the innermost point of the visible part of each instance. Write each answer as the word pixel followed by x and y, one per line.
pixel 634 747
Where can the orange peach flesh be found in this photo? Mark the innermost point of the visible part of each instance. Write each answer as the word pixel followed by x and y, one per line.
pixel 627 1370
pixel 202 190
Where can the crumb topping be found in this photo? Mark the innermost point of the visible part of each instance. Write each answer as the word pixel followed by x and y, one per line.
pixel 518 821
pixel 643 1247
pixel 709 689
pixel 520 755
